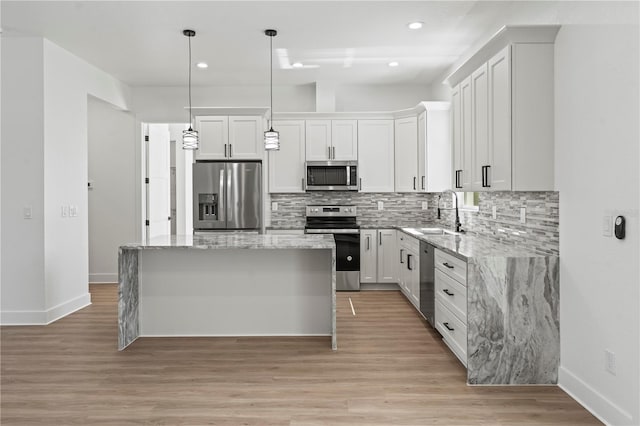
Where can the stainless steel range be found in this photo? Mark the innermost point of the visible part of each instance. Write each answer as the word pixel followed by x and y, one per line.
pixel 341 221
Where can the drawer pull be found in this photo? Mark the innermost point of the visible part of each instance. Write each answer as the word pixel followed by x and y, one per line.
pixel 446 291
pixel 447 265
pixel 446 324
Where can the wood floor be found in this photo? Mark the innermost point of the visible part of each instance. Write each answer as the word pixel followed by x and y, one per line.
pixel 390 369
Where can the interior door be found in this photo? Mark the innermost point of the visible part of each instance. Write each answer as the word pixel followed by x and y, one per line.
pixel 158 188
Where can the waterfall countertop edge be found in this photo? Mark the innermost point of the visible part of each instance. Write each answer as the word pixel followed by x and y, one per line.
pixel 235 241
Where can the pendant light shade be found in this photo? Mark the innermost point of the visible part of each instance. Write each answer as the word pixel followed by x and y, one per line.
pixel 190 137
pixel 271 137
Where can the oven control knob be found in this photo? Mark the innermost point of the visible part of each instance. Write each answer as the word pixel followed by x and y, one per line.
pixel 349 258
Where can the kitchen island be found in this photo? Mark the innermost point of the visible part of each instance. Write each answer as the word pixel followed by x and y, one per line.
pixel 230 284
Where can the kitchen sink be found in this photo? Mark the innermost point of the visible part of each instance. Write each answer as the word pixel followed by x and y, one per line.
pixel 429 231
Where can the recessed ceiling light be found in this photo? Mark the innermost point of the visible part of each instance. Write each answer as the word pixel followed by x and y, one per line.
pixel 297 65
pixel 393 64
pixel 202 65
pixel 415 25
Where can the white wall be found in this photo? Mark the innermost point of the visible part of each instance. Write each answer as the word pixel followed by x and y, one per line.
pixel 184 159
pixel 597 161
pixel 380 97
pixel 112 200
pixel 40 288
pixel 22 170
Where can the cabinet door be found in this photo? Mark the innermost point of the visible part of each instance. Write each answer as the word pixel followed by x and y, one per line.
pixel 422 152
pixel 245 138
pixel 375 156
pixel 438 150
pixel 466 135
pixel 214 137
pixel 406 149
pixel 480 126
pixel 368 256
pixel 499 173
pixel 414 273
pixel 318 140
pixel 456 137
pixel 387 259
pixel 286 166
pixel 344 140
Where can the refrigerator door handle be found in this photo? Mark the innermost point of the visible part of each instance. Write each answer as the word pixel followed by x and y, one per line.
pixel 222 198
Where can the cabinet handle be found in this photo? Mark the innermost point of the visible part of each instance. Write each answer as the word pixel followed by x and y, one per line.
pixel 446 324
pixel 368 242
pixel 333 150
pixel 423 183
pixel 409 256
pixel 360 185
pixel 230 154
pixel 458 178
pixel 302 183
pixel 401 250
pixel 485 177
pixel 446 291
pixel 225 150
pixel 329 150
pixel 414 183
pixel 379 238
pixel 447 265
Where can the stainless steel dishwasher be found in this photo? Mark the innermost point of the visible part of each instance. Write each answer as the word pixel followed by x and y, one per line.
pixel 427 282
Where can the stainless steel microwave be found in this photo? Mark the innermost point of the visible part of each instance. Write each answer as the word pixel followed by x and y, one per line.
pixel 331 175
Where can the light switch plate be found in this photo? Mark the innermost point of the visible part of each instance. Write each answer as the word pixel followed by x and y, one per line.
pixel 64 211
pixel 380 205
pixel 607 226
pixel 523 214
pixel 425 205
pixel 494 212
pixel 274 206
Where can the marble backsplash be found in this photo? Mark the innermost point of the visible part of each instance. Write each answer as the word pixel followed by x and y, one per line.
pixel 539 232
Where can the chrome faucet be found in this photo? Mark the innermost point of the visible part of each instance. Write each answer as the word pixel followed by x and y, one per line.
pixel 458 225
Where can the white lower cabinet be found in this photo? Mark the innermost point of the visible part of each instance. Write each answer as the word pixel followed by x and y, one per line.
pixel 451 302
pixel 409 267
pixel 377 256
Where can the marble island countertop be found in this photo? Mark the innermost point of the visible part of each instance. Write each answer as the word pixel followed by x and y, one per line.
pixel 469 247
pixel 236 241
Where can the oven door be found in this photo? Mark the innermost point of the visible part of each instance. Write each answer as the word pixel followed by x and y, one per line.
pixel 347 261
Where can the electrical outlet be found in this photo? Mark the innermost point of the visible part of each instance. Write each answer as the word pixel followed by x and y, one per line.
pixel 64 211
pixel 610 361
pixel 607 226
pixel 27 212
pixel 274 206
pixel 425 205
pixel 73 211
pixel 380 205
pixel 494 212
pixel 523 214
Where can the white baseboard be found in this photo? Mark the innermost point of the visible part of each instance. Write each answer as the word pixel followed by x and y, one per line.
pixel 45 317
pixel 605 410
pixel 103 278
pixel 379 286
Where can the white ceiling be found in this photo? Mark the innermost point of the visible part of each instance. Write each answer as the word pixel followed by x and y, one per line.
pixel 342 42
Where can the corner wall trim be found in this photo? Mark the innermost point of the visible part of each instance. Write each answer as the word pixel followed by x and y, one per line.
pixel 605 410
pixel 45 317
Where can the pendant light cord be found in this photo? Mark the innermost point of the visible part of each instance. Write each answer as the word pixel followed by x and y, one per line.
pixel 190 113
pixel 271 81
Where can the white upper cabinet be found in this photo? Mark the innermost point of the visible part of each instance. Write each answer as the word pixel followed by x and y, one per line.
pixel 245 138
pixel 318 140
pixel 214 137
pixel 434 150
pixel 344 140
pixel 332 140
pixel 479 127
pixel 230 137
pixel 502 122
pixel 286 166
pixel 375 155
pixel 406 149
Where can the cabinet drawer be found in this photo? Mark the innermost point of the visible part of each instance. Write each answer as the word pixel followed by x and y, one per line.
pixel 452 294
pixel 408 242
pixel 453 331
pixel 452 266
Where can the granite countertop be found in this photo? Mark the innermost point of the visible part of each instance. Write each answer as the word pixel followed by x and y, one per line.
pixel 469 247
pixel 236 241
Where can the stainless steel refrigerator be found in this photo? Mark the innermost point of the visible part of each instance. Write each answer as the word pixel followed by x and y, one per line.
pixel 227 196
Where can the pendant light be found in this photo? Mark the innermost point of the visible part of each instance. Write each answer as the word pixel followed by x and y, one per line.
pixel 271 137
pixel 190 137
